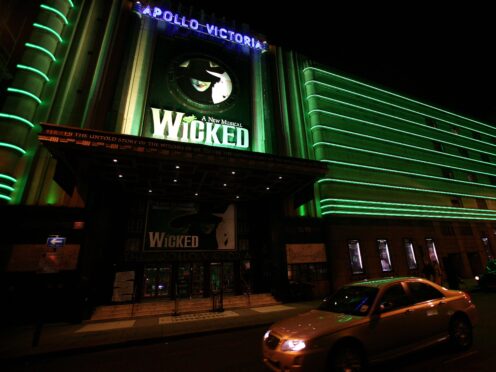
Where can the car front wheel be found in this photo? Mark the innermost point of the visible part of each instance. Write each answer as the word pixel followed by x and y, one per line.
pixel 461 333
pixel 347 358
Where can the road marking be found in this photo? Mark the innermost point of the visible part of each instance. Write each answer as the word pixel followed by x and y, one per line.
pixel 269 309
pixel 460 357
pixel 196 317
pixel 107 326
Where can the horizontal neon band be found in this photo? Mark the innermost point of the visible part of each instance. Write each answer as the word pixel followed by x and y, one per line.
pixel 7 177
pixel 401 119
pixel 35 70
pixel 396 130
pixel 25 93
pixel 41 49
pixel 435 216
pixel 473 214
pixel 18 118
pixel 355 201
pixel 394 187
pixel 13 147
pixel 408 99
pixel 401 144
pixel 414 160
pixel 8 198
pixel 49 30
pixel 56 12
pixel 6 187
pixel 388 170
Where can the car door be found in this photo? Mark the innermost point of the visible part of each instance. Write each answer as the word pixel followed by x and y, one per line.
pixel 387 324
pixel 429 312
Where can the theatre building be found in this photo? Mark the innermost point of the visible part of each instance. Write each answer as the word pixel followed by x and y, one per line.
pixel 154 151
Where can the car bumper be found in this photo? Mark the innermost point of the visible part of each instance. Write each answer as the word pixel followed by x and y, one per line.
pixel 277 360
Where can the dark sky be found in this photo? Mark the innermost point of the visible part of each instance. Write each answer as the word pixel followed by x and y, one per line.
pixel 444 56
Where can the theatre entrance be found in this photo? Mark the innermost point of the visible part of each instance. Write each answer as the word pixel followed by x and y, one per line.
pixel 188 279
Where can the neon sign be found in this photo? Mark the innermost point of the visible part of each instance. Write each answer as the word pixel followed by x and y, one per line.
pixel 193 24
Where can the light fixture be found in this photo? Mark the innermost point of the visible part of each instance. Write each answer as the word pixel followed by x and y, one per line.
pixel 177 167
pixel 196 194
pixel 115 160
pixel 120 176
pixel 225 185
pixel 175 180
pixel 280 177
pixel 233 172
pixel 150 190
pixel 268 188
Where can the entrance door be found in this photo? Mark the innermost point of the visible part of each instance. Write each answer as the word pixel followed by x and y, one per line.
pixel 190 280
pixel 157 281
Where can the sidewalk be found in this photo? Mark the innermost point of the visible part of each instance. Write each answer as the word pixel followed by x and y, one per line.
pixel 55 339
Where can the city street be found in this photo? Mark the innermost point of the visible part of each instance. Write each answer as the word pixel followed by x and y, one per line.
pixel 241 351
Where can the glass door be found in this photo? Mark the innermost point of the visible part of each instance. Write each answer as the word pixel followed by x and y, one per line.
pixel 157 281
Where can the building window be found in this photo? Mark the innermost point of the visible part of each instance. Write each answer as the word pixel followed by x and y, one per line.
pixel 410 254
pixel 476 135
pixel 448 173
pixel 485 157
pixel 472 177
pixel 355 257
pixel 481 203
pixel 463 152
pixel 456 201
pixel 431 250
pixel 431 122
pixel 384 256
pixel 455 130
pixel 438 146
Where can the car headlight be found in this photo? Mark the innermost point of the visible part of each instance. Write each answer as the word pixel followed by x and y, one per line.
pixel 266 335
pixel 293 345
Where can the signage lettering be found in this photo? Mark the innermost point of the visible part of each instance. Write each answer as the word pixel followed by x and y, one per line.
pixel 162 240
pixel 193 24
pixel 175 126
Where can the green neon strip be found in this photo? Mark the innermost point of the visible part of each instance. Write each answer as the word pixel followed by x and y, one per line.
pixel 406 98
pixel 401 144
pixel 35 70
pixel 388 170
pixel 406 215
pixel 48 29
pixel 408 210
pixel 7 177
pixel 6 187
pixel 318 96
pixel 397 130
pixel 18 118
pixel 24 92
pixel 393 187
pixel 13 147
pixel 354 201
pixel 71 3
pixel 56 12
pixel 8 198
pixel 41 49
pixel 400 157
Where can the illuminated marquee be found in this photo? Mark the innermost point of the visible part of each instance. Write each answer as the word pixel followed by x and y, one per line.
pixel 175 126
pixel 193 24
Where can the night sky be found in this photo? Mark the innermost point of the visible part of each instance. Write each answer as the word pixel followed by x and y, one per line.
pixel 440 56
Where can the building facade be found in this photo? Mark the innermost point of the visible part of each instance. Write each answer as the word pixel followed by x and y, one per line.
pixel 157 151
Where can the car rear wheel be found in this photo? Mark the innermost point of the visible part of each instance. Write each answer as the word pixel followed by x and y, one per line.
pixel 347 358
pixel 461 333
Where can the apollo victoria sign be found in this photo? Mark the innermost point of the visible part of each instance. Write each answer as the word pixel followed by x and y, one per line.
pixel 193 24
pixel 176 126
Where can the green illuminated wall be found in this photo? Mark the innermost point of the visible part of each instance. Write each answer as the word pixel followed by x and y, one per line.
pixel 389 155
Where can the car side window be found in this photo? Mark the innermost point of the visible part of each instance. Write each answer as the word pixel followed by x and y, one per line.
pixel 423 292
pixel 394 297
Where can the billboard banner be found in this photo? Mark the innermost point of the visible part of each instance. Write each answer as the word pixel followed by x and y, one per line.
pixel 190 226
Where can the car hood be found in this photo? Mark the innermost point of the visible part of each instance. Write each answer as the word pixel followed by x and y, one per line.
pixel 314 323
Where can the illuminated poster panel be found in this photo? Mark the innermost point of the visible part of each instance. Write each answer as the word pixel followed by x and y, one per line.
pixel 431 250
pixel 355 257
pixel 382 246
pixel 411 260
pixel 199 93
pixel 190 226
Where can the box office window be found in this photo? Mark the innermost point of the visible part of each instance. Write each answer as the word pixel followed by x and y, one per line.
pixel 411 260
pixel 383 248
pixel 355 257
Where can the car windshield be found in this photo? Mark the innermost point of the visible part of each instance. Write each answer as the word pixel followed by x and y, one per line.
pixel 352 300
